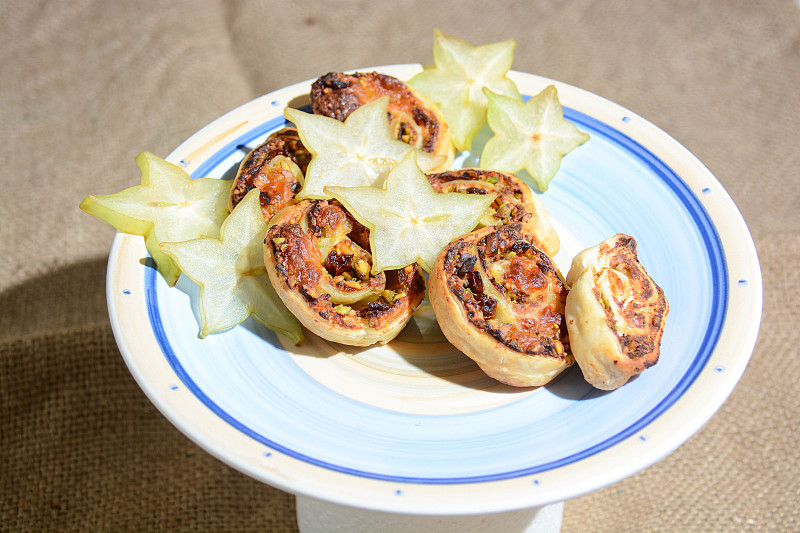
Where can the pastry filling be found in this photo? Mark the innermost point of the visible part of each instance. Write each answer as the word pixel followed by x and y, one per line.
pixel 276 168
pixel 633 303
pixel 319 253
pixel 510 290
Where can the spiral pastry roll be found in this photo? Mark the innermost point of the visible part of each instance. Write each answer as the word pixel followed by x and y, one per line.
pixel 276 167
pixel 499 299
pixel 515 202
pixel 318 262
pixel 413 118
pixel 615 313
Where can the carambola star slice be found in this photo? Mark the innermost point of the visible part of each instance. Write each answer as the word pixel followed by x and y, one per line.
pixel 168 205
pixel 355 153
pixel 530 135
pixel 455 83
pixel 408 221
pixel 231 274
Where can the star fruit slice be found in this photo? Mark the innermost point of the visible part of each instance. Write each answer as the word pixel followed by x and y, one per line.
pixel 230 272
pixel 168 205
pixel 530 135
pixel 455 83
pixel 408 221
pixel 357 152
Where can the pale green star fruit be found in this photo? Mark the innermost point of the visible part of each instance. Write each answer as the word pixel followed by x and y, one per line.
pixel 357 152
pixel 168 205
pixel 530 135
pixel 455 83
pixel 231 274
pixel 408 221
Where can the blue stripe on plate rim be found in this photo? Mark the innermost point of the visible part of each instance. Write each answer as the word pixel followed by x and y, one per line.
pixel 719 293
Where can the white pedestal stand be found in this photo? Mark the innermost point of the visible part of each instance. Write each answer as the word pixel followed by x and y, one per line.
pixel 317 516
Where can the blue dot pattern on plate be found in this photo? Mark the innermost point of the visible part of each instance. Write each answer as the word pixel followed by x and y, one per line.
pixel 611 184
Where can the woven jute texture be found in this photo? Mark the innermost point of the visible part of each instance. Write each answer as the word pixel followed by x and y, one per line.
pixel 86 85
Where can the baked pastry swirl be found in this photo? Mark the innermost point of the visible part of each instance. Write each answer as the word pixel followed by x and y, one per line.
pixel 318 260
pixel 499 299
pixel 413 118
pixel 515 202
pixel 615 313
pixel 276 167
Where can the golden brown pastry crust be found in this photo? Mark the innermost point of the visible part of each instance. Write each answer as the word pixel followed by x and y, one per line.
pixel 279 182
pixel 515 202
pixel 414 119
pixel 499 299
pixel 615 313
pixel 322 274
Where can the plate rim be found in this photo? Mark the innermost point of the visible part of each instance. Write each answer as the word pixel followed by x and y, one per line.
pixel 531 492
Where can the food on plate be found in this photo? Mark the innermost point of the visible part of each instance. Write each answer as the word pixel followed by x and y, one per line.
pixel 355 153
pixel 530 135
pixel 333 221
pixel 231 275
pixel 166 206
pixel 456 80
pixel 320 265
pixel 615 313
pixel 276 168
pixel 499 299
pixel 412 117
pixel 408 220
pixel 515 202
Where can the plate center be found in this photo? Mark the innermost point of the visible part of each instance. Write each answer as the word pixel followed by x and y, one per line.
pixel 423 378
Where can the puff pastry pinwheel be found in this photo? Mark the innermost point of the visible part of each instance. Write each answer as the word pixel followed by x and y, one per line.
pixel 413 118
pixel 276 167
pixel 615 313
pixel 515 202
pixel 318 261
pixel 499 299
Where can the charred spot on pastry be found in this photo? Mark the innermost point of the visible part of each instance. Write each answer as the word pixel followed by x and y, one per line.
pixel 329 96
pixel 332 81
pixel 376 308
pixel 520 247
pixel 467 264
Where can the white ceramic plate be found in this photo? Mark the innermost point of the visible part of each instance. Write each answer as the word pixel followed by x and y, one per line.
pixel 414 426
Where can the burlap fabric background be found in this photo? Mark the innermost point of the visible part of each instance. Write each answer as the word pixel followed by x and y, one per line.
pixel 86 85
